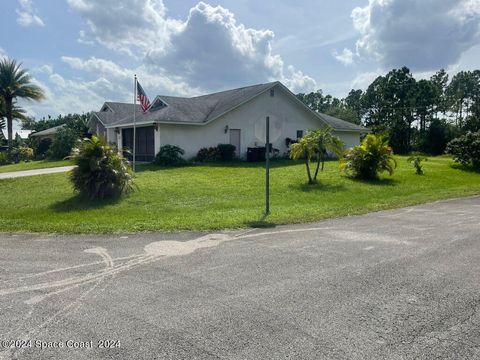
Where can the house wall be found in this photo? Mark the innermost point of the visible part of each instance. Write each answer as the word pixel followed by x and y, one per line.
pixel 282 110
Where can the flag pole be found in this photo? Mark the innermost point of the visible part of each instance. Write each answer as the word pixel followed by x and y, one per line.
pixel 134 119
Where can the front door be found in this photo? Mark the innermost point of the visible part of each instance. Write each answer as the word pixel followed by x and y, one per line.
pixel 235 140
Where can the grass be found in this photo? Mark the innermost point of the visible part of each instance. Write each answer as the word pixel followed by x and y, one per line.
pixel 208 197
pixel 31 165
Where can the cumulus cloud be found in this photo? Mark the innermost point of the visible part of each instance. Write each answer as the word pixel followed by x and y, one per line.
pixel 345 57
pixel 209 50
pixel 27 14
pixel 424 35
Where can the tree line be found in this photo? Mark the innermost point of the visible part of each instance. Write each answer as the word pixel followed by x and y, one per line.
pixel 415 115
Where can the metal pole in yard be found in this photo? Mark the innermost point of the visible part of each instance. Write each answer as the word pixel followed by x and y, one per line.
pixel 267 166
pixel 134 120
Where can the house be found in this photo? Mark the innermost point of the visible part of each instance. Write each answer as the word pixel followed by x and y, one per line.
pixel 47 133
pixel 23 134
pixel 227 117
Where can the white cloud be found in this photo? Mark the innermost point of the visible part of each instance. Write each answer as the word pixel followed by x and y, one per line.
pixel 345 57
pixel 2 53
pixel 363 80
pixel 424 35
pixel 208 51
pixel 27 14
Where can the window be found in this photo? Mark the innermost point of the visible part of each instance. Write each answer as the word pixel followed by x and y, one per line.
pixel 299 134
pixel 272 92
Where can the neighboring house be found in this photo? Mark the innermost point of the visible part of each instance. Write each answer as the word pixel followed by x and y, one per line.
pixel 47 133
pixel 227 117
pixel 22 133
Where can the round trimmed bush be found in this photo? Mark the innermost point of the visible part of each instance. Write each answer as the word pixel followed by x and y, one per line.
pixel 101 171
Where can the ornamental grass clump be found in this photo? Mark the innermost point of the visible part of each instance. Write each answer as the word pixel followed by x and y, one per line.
pixel 101 171
pixel 369 159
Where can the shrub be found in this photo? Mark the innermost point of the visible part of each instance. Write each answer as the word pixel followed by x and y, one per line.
pixel 227 152
pixel 63 143
pixel 4 158
pixel 42 148
pixel 25 153
pixel 208 154
pixel 170 155
pixel 416 160
pixel 370 158
pixel 435 139
pixel 466 149
pixel 101 171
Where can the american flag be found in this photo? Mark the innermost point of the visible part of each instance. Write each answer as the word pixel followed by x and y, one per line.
pixel 142 98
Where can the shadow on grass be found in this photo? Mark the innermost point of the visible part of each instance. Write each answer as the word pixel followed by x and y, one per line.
pixel 261 223
pixel 318 186
pixel 78 202
pixel 465 168
pixel 376 182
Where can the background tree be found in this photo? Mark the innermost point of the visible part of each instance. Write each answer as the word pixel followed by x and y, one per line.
pixel 15 83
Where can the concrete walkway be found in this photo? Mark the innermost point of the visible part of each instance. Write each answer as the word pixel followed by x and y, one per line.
pixel 15 174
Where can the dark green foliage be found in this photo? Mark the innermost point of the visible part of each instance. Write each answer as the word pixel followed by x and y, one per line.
pixel 227 152
pixel 170 155
pixel 416 160
pixel 370 158
pixel 208 154
pixel 101 171
pixel 76 122
pixel 63 143
pixel 466 149
pixel 4 158
pixel 42 148
pixel 435 139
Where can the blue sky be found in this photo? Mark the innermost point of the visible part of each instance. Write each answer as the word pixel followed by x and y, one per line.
pixel 83 52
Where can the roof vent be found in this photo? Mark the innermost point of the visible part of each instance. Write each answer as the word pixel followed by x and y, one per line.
pixel 272 92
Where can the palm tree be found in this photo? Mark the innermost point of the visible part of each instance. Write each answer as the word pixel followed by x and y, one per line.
pixel 317 143
pixel 15 83
pixel 327 144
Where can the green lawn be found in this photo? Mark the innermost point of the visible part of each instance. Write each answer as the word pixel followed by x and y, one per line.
pixel 211 197
pixel 31 165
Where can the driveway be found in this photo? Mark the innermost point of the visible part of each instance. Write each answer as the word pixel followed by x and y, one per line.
pixel 15 174
pixel 399 284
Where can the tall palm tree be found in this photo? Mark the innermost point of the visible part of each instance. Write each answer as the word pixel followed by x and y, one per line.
pixel 15 83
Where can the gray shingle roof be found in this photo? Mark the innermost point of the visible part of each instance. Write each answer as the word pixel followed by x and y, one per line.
pixel 339 124
pixel 50 131
pixel 201 109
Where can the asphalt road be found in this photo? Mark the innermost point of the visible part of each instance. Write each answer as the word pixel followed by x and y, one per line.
pixel 398 284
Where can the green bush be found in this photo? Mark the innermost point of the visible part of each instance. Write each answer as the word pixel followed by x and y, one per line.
pixel 208 154
pixel 42 148
pixel 25 153
pixel 370 158
pixel 170 155
pixel 4 158
pixel 227 152
pixel 101 171
pixel 466 149
pixel 65 140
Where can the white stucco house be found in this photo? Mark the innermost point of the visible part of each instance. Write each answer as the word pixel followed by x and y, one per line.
pixel 227 117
